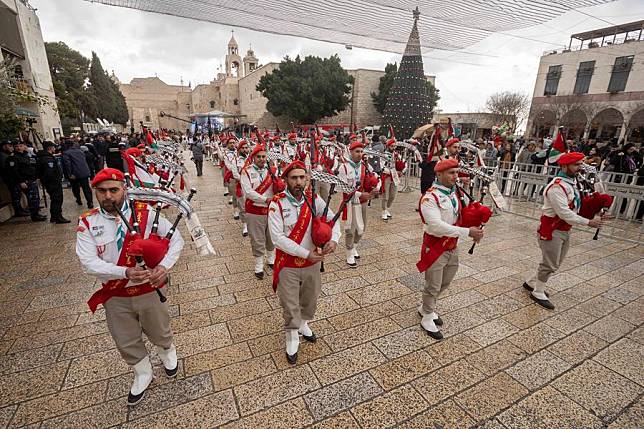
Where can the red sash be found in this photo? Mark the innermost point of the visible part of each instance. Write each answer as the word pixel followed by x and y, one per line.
pixel 547 224
pixel 117 287
pixel 345 196
pixel 433 247
pixel 251 208
pixel 284 260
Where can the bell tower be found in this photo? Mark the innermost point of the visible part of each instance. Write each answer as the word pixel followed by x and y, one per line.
pixel 250 61
pixel 233 60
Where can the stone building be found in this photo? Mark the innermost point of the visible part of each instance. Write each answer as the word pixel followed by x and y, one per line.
pixel 234 92
pixel 595 89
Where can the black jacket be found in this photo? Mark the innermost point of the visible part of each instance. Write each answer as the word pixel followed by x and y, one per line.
pixel 22 167
pixel 113 158
pixel 47 168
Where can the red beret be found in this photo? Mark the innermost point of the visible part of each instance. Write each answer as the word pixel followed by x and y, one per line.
pixel 297 164
pixel 452 141
pixel 241 144
pixel 446 164
pixel 356 144
pixel 134 151
pixel 108 174
pixel 292 136
pixel 258 148
pixel 570 158
pixel 233 139
pixel 391 142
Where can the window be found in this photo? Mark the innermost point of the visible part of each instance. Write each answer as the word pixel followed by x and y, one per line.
pixel 212 104
pixel 621 70
pixel 552 80
pixel 584 74
pixel 147 118
pixel 235 102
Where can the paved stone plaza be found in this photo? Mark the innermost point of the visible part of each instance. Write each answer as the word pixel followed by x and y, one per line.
pixel 505 362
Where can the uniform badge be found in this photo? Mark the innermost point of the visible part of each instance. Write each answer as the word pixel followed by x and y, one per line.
pixel 98 230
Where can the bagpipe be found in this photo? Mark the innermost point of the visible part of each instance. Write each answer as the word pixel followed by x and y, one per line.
pixel 472 163
pixel 592 201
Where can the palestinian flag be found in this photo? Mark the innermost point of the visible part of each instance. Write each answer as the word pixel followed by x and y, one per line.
pixel 450 128
pixel 390 133
pixel 557 148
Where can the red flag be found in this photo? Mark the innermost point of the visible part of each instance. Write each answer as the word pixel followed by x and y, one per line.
pixel 559 144
pixel 450 129
pixel 149 138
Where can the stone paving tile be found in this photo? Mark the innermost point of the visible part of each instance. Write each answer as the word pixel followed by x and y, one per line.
pixel 103 415
pixel 610 328
pixel 360 334
pixel 499 391
pixel 632 418
pixel 290 414
pixel 206 411
pixel 21 361
pixel 632 312
pixel 202 339
pixel 32 383
pixel 273 389
pixel 447 381
pixel 242 372
pixel 404 369
pixel 597 389
pixel 535 338
pixel 496 357
pixel 577 347
pixel 447 415
pixel 239 310
pixel 540 412
pixel 625 357
pixel 256 325
pixel 452 349
pixel 491 332
pixel 341 421
pixel 345 363
pixel 214 359
pixel 570 320
pixel 363 315
pixel 342 395
pixel 6 414
pixel 59 403
pixel 538 369
pixel 389 409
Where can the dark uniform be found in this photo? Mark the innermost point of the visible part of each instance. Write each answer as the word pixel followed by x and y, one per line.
pixel 22 167
pixel 51 177
pixel 113 158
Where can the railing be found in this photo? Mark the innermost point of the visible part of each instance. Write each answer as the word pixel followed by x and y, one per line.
pixel 522 186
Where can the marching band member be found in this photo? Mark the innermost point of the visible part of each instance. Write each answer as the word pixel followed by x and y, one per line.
pixel 353 172
pixel 231 175
pixel 257 186
pixel 561 203
pixel 391 179
pixel 242 153
pixel 453 149
pixel 440 210
pixel 131 306
pixel 296 272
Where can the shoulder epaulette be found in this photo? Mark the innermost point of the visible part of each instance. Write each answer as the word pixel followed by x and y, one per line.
pixel 89 212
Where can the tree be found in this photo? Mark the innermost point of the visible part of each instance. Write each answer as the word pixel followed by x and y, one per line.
pixel 110 102
pixel 386 81
pixel 306 90
pixel 510 107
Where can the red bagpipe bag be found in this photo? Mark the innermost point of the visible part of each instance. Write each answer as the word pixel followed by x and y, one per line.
pixel 474 214
pixel 592 204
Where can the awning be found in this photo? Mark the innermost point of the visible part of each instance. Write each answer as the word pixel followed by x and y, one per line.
pixel 21 111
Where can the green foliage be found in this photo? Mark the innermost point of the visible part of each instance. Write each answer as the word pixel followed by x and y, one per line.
pixel 10 125
pixel 83 87
pixel 386 81
pixel 307 90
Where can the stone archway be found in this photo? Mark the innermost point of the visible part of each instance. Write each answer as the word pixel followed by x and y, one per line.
pixel 636 128
pixel 575 124
pixel 606 125
pixel 544 123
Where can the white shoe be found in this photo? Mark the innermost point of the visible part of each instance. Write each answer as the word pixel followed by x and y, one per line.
pixel 270 257
pixel 428 324
pixel 384 215
pixel 236 214
pixel 388 214
pixel 245 230
pixel 292 344
pixel 259 264
pixel 143 376
pixel 355 253
pixel 351 259
pixel 169 359
pixel 306 332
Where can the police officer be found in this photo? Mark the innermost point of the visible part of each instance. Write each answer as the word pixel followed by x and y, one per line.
pixel 113 158
pixel 22 167
pixel 7 178
pixel 50 176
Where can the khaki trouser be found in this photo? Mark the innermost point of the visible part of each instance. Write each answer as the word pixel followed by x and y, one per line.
pixel 553 253
pixel 352 238
pixel 130 317
pixel 298 291
pixel 438 277
pixel 260 238
pixel 238 202
pixel 390 189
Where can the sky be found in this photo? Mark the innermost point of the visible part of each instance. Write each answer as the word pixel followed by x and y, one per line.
pixel 142 44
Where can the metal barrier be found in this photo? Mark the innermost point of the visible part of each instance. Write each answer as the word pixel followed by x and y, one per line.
pixel 522 186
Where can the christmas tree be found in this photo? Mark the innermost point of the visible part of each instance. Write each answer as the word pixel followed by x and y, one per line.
pixel 408 106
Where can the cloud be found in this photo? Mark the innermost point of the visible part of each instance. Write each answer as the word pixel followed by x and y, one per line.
pixel 139 44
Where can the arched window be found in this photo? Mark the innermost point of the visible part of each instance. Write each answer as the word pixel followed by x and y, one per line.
pixel 212 104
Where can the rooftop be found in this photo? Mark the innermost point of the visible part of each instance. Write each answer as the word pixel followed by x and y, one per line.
pixel 610 31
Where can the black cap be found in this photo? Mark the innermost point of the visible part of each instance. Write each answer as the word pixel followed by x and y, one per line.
pixel 4 142
pixel 47 144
